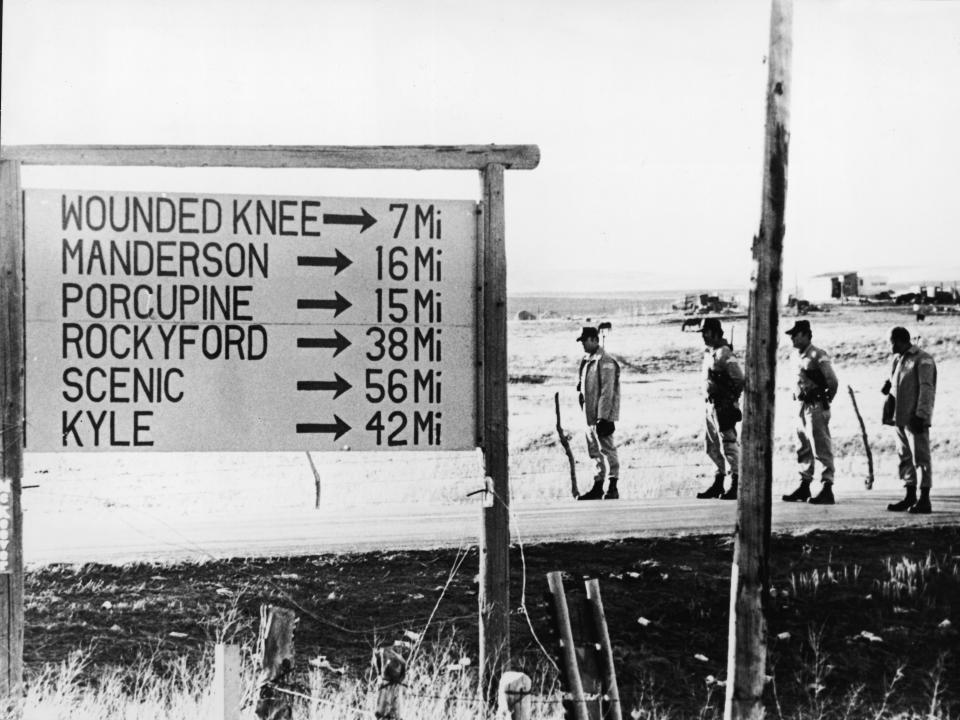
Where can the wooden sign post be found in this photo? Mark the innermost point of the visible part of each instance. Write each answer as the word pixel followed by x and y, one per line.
pixel 749 581
pixel 489 313
pixel 11 430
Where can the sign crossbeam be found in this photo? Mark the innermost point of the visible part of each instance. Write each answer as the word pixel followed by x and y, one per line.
pixel 389 157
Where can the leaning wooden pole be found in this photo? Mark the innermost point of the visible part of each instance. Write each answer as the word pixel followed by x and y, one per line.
pixel 749 581
pixel 11 430
pixel 495 531
pixel 868 482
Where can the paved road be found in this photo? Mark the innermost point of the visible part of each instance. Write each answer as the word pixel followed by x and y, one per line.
pixel 118 536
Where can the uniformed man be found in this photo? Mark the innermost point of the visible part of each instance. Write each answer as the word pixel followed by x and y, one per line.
pixel 816 387
pixel 913 387
pixel 723 383
pixel 599 389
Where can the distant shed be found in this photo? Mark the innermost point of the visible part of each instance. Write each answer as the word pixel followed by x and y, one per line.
pixel 842 287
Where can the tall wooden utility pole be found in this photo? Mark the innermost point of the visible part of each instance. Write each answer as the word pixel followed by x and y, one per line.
pixel 749 581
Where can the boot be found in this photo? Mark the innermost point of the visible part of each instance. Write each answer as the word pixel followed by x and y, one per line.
pixel 801 494
pixel 908 501
pixel 715 490
pixel 612 493
pixel 731 494
pixel 923 504
pixel 595 493
pixel 824 497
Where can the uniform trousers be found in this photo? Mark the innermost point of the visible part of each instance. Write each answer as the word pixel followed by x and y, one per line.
pixel 722 446
pixel 914 458
pixel 813 436
pixel 603 451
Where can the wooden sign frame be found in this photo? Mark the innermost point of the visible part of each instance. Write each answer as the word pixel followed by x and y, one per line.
pixel 492 416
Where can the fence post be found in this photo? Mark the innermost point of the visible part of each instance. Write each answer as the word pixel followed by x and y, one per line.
pixel 226 682
pixel 391 666
pixel 750 572
pixel 275 646
pixel 568 652
pixel 513 696
pixel 602 632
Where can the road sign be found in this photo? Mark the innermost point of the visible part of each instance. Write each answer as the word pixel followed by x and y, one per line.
pixel 211 322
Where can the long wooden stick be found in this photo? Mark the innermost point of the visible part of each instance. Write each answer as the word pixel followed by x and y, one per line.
pixel 566 448
pixel 866 443
pixel 750 573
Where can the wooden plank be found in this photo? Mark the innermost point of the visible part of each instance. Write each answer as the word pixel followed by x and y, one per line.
pixel 423 157
pixel 11 426
pixel 749 578
pixel 495 532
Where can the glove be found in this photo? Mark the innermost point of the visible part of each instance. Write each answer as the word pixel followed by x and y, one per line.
pixel 581 400
pixel 918 424
pixel 605 428
pixel 886 388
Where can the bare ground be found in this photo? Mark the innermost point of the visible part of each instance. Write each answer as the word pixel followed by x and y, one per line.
pixel 860 606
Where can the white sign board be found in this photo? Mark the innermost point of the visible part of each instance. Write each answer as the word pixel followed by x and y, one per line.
pixel 215 323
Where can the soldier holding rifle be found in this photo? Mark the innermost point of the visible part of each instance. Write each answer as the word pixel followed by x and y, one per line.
pixel 816 387
pixel 723 380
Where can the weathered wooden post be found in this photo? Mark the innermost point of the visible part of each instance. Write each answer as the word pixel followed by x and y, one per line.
pixel 275 646
pixel 495 533
pixel 391 667
pixel 749 581
pixel 513 696
pixel 605 651
pixel 226 682
pixel 11 431
pixel 568 650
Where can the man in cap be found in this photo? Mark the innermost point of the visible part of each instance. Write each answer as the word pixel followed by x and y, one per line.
pixel 816 387
pixel 599 390
pixel 913 387
pixel 723 383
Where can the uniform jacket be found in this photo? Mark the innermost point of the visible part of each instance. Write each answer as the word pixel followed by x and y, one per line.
pixel 600 387
pixel 914 385
pixel 808 362
pixel 722 376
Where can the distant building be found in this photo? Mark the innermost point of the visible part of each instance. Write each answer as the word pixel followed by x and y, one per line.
pixel 843 286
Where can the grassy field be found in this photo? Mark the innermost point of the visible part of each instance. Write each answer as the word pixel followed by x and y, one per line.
pixel 862 624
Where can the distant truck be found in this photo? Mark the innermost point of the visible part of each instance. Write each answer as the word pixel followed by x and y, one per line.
pixel 704 304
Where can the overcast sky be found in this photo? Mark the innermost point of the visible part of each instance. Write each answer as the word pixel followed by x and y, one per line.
pixel 649 117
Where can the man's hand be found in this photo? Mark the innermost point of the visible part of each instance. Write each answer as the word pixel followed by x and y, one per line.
pixel 918 424
pixel 886 388
pixel 605 428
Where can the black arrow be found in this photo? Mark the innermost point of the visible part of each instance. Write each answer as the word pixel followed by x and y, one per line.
pixel 365 219
pixel 338 305
pixel 339 342
pixel 339 262
pixel 338 427
pixel 340 386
